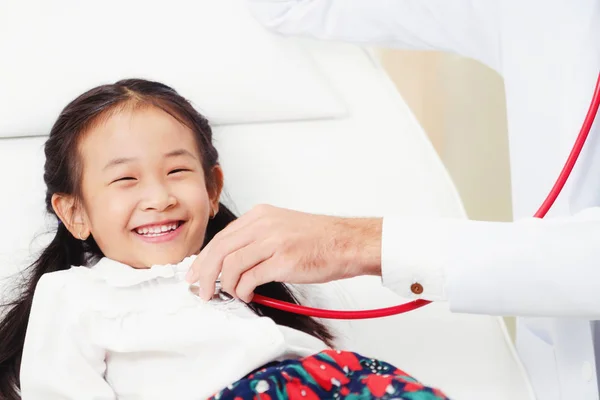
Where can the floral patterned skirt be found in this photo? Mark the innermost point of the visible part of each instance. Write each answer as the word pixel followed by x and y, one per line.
pixel 329 374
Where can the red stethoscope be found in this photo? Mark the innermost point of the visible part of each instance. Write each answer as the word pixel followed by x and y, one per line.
pixel 413 305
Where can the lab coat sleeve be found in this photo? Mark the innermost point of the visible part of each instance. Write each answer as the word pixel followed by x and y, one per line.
pixel 57 362
pixel 470 28
pixel 532 267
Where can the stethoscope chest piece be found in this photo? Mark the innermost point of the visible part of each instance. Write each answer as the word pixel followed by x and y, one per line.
pixel 219 296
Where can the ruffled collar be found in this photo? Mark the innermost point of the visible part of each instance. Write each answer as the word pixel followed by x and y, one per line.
pixel 121 275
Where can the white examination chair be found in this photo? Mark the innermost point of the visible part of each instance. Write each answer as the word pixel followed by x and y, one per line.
pixel 312 126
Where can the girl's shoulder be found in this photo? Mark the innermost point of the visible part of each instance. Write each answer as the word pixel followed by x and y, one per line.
pixel 68 287
pixel 61 281
pixel 63 294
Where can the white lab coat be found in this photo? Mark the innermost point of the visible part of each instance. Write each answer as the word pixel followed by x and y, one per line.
pixel 548 52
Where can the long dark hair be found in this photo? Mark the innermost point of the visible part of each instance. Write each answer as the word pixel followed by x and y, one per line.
pixel 62 173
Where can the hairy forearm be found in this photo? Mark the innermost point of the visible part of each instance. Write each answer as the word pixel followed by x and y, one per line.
pixel 360 246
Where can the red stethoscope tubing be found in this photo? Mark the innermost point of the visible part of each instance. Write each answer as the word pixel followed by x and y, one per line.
pixel 413 305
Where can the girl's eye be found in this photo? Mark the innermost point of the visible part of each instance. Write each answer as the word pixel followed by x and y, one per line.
pixel 179 170
pixel 125 178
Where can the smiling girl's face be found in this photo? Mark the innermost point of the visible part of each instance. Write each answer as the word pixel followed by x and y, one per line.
pixel 144 195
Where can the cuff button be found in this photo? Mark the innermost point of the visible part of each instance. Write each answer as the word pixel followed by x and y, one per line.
pixel 416 288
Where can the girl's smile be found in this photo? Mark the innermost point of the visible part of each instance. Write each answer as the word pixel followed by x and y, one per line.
pixel 160 232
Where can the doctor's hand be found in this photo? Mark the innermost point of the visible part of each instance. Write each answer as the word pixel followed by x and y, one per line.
pixel 270 244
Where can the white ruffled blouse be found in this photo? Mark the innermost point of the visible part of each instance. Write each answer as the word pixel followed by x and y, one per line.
pixel 112 331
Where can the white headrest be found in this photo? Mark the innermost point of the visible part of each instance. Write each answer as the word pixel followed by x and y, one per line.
pixel 212 51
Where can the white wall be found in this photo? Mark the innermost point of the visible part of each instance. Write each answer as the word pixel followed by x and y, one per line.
pixel 461 105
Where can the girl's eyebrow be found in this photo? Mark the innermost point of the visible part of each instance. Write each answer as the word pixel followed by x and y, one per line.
pixel 118 161
pixel 180 152
pixel 124 160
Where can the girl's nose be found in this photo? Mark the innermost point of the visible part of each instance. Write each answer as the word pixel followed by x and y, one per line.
pixel 158 197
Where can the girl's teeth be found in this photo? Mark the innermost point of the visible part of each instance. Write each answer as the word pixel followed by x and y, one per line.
pixel 157 229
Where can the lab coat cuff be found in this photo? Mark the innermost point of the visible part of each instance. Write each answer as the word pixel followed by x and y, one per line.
pixel 412 262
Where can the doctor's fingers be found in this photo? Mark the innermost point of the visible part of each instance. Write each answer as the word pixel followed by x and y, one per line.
pixel 241 261
pixel 268 271
pixel 206 267
pixel 239 223
pixel 259 219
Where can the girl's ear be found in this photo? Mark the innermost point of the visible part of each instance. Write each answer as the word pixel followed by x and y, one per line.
pixel 72 215
pixel 215 192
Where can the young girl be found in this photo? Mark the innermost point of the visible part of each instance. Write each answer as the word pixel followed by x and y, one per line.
pixel 134 180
